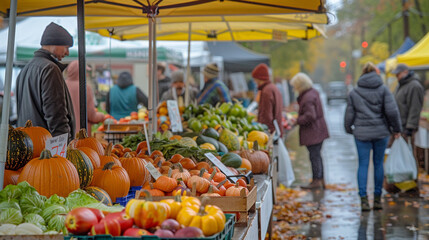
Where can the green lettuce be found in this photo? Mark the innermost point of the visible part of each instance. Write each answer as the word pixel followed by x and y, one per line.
pixel 79 198
pixel 56 223
pixel 103 207
pixel 10 192
pixel 35 219
pixel 54 200
pixel 9 204
pixel 51 211
pixel 11 215
pixel 32 202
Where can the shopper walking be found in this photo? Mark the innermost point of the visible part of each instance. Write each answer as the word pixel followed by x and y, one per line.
pixel 124 97
pixel 42 94
pixel 72 82
pixel 179 85
pixel 270 101
pixel 214 90
pixel 371 116
pixel 312 126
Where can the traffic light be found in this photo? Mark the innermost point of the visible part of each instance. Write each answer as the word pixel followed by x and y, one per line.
pixel 364 44
pixel 343 64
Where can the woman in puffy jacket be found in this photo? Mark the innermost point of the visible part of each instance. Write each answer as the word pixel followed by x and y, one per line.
pixel 371 116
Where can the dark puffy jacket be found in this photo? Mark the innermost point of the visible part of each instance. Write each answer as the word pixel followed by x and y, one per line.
pixel 43 97
pixel 270 106
pixel 311 121
pixel 371 112
pixel 409 97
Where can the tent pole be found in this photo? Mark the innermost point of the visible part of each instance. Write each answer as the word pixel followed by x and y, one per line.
pixel 154 76
pixel 4 127
pixel 188 67
pixel 151 82
pixel 82 63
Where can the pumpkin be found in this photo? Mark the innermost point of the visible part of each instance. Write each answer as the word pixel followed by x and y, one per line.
pixel 194 172
pixel 181 174
pixel 82 140
pixel 156 154
pixel 38 135
pixel 51 175
pixel 108 157
pixel 136 169
pixel 235 191
pixel 153 191
pixel 99 194
pixel 221 188
pixel 212 192
pixel 142 147
pixel 231 160
pixel 258 159
pixel 113 179
pixel 165 183
pixel 92 155
pixel 201 184
pixel 187 163
pixel 83 166
pixel 219 176
pixel 10 177
pixel 246 164
pixel 176 158
pixel 19 149
pixel 202 165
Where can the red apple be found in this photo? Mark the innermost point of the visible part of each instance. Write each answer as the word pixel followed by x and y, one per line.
pixel 123 219
pixel 110 226
pixel 136 232
pixel 80 220
pixel 98 213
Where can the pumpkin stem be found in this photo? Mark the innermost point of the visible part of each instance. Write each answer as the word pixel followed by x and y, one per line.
pixel 108 166
pixel 178 198
pixel 210 189
pixel 108 151
pixel 148 196
pixel 236 184
pixel 221 183
pixel 28 124
pixel 169 172
pixel 127 155
pixel 151 186
pixel 82 134
pixel 180 167
pixel 255 145
pixel 45 154
pixel 202 172
pixel 213 174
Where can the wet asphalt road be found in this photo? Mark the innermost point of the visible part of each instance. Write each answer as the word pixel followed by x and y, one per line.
pixel 401 218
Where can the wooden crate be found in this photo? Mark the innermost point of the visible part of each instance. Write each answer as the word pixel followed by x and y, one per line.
pixel 123 127
pixel 241 204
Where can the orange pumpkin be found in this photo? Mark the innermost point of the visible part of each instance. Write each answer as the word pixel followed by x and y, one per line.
pixel 258 159
pixel 51 175
pixel 38 135
pixel 108 157
pixel 236 190
pixel 10 177
pixel 176 158
pixel 83 140
pixel 212 192
pixel 202 165
pixel 246 164
pixel 113 179
pixel 153 191
pixel 187 163
pixel 181 174
pixel 165 183
pixel 156 154
pixel 201 184
pixel 142 147
pixel 136 169
pixel 219 176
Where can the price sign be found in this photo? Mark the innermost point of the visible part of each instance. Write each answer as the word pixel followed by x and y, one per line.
pixel 221 166
pixel 57 145
pixel 175 119
pixel 153 171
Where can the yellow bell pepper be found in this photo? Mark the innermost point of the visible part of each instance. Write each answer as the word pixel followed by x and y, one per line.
pixel 260 137
pixel 210 219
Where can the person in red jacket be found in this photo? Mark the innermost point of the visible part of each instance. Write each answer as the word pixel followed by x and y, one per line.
pixel 312 126
pixel 270 98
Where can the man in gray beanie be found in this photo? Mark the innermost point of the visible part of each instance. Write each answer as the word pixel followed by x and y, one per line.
pixel 42 94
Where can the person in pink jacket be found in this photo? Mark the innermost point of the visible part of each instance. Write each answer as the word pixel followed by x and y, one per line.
pixel 72 82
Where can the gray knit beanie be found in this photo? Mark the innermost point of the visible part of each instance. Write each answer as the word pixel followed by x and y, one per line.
pixel 56 35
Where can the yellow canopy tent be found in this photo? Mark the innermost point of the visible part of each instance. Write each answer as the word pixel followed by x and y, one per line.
pixel 418 55
pixel 225 28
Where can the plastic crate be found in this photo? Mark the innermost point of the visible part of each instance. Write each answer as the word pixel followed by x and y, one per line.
pixel 115 137
pixel 226 234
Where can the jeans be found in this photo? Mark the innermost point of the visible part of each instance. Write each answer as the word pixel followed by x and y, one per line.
pixel 364 148
pixel 316 160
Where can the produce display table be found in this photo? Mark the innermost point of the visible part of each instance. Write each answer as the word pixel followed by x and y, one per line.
pixel 259 222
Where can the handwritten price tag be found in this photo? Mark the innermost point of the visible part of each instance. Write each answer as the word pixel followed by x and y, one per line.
pixel 221 166
pixel 57 145
pixel 175 119
pixel 153 171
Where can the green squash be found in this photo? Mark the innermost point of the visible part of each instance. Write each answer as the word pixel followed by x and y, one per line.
pixel 19 149
pixel 230 140
pixel 99 194
pixel 211 132
pixel 83 166
pixel 203 139
pixel 187 141
pixel 231 160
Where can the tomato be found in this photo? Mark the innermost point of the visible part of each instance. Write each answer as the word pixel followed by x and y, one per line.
pixel 124 220
pixel 79 221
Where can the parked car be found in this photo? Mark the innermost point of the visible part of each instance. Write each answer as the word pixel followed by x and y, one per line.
pixel 337 90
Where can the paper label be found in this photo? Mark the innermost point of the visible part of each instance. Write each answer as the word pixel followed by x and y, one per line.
pixel 153 171
pixel 221 166
pixel 174 114
pixel 57 145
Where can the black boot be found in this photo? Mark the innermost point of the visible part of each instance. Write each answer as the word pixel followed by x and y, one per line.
pixel 316 183
pixel 377 203
pixel 364 204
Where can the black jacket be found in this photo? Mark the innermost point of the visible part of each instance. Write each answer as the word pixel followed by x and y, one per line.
pixel 409 97
pixel 43 97
pixel 371 112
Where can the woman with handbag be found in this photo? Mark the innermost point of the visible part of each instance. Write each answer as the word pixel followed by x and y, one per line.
pixel 371 116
